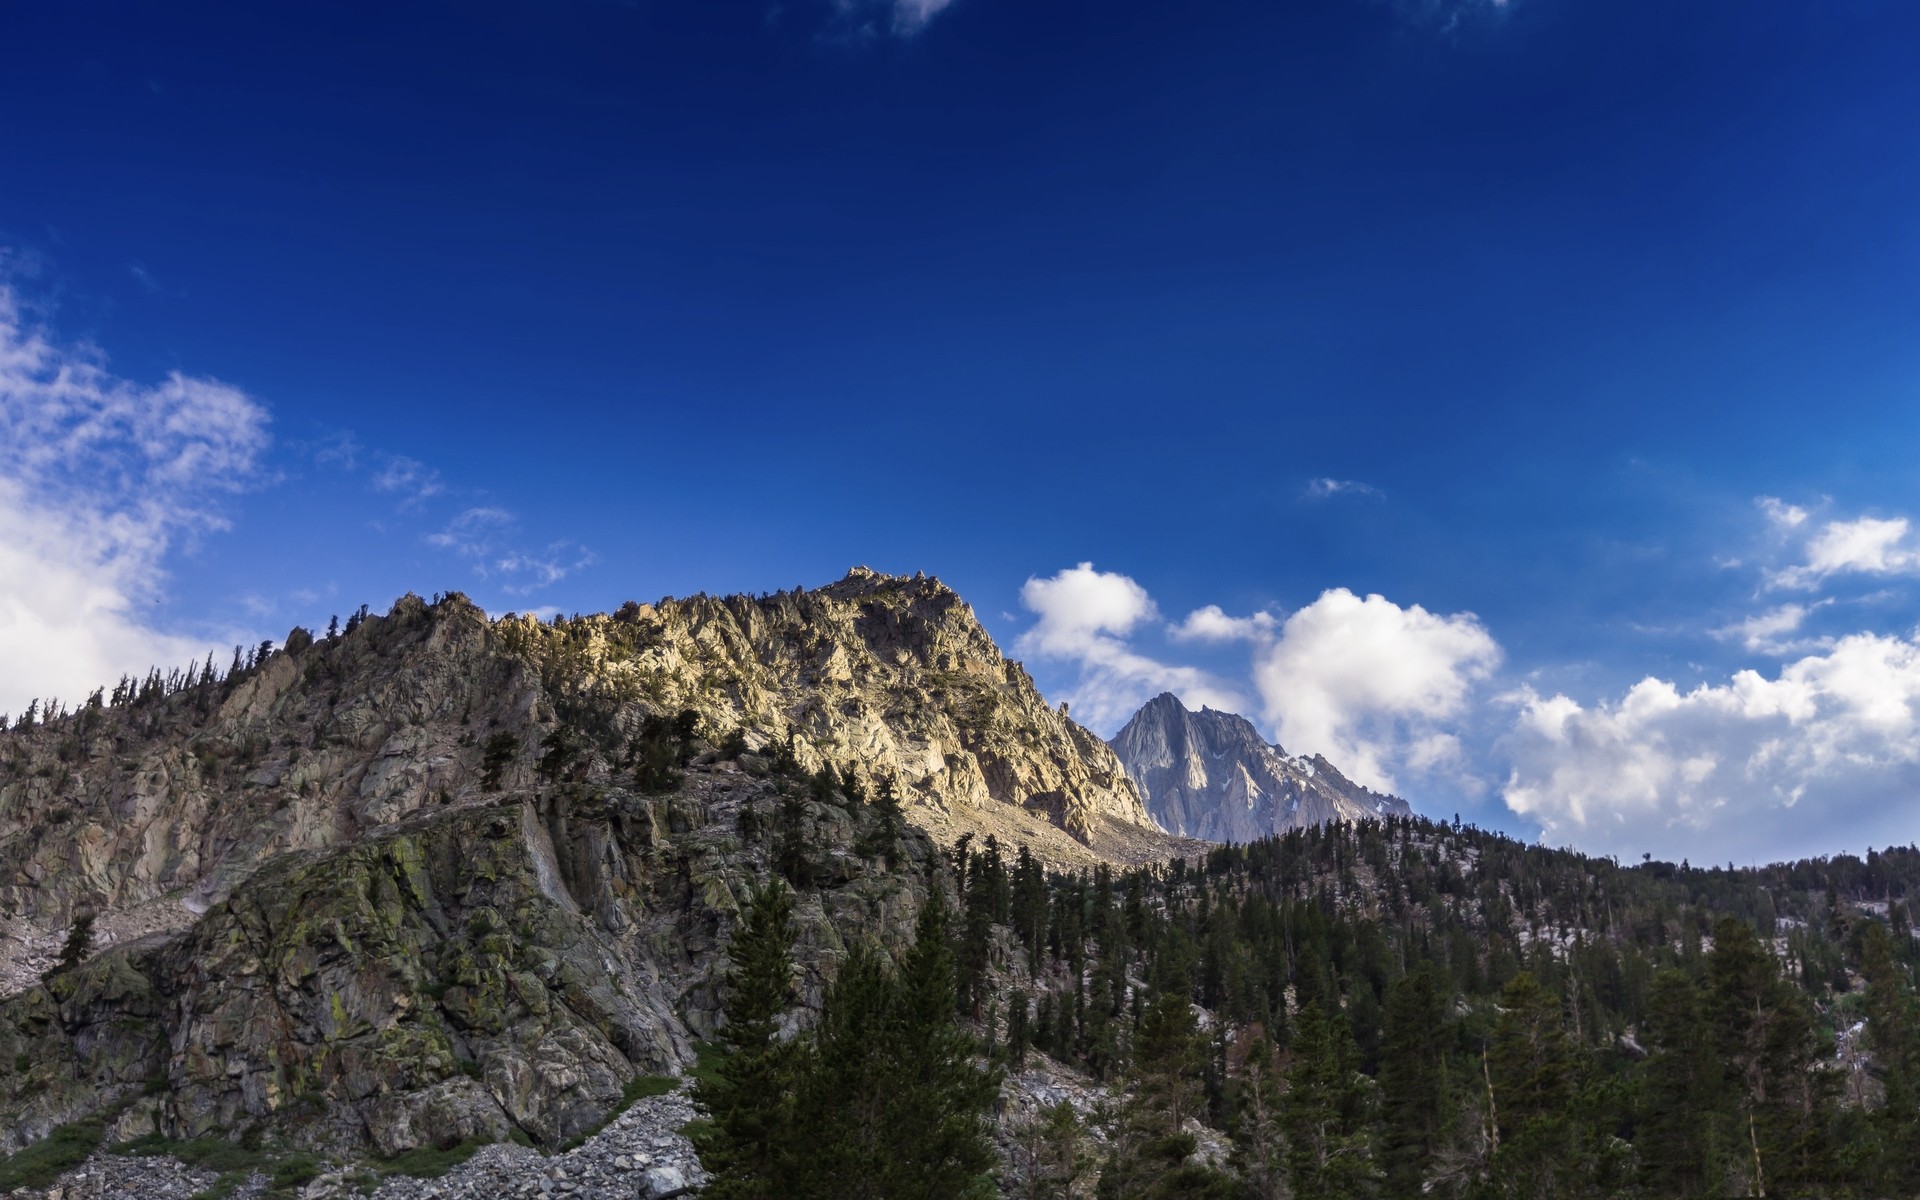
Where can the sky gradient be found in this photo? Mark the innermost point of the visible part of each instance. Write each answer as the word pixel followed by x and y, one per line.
pixel 1514 401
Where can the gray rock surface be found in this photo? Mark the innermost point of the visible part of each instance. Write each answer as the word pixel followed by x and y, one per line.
pixel 409 884
pixel 1210 775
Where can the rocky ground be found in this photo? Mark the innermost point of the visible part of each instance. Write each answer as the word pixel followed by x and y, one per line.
pixel 121 1177
pixel 641 1155
pixel 28 949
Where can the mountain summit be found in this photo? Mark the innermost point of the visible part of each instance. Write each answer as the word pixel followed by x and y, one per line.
pixel 1210 775
pixel 435 878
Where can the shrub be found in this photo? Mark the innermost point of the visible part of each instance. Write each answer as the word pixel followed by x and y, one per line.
pixel 45 1161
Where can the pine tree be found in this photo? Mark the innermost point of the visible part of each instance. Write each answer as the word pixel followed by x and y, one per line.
pixel 1893 1031
pixel 1765 1034
pixel 749 1147
pixel 1152 1156
pixel 882 838
pixel 1679 1137
pixel 940 1146
pixel 1030 905
pixel 1327 1113
pixel 846 1097
pixel 1019 1030
pixel 78 945
pixel 790 846
pixel 1053 1154
pixel 1259 1148
pixel 1413 1083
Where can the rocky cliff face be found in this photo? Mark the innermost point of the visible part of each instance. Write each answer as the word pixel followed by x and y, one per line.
pixel 413 882
pixel 169 802
pixel 894 675
pixel 1210 775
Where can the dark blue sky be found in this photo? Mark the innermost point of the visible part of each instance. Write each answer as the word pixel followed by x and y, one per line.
pixel 680 296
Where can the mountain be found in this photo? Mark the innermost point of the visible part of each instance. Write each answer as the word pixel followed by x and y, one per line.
pixel 173 798
pixel 368 902
pixel 1210 775
pixel 444 876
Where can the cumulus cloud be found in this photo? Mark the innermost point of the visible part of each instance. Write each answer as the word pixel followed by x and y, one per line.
pixel 1084 618
pixel 1326 489
pixel 1212 624
pixel 1864 546
pixel 1372 685
pixel 1754 768
pixel 100 477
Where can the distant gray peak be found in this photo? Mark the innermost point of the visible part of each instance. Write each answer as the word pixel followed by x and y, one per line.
pixel 1210 774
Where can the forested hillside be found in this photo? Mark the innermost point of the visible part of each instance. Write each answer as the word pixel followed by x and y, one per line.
pixel 433 882
pixel 1409 1008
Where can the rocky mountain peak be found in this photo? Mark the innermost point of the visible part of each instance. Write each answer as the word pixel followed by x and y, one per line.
pixel 1210 775
pixel 427 878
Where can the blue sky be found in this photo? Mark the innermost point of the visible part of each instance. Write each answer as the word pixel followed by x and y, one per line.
pixel 1579 332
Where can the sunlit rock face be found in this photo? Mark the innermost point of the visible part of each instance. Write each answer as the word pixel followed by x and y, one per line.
pixel 416 880
pixel 1211 775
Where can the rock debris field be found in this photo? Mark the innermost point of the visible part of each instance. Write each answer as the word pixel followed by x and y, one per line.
pixel 642 1155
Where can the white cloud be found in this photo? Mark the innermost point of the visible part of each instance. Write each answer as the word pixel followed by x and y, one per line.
pixel 1866 546
pixel 99 478
pixel 535 571
pixel 475 534
pixel 902 18
pixel 1766 633
pixel 1369 684
pixel 1828 549
pixel 1754 768
pixel 1327 489
pixel 1085 616
pixel 1780 514
pixel 911 16
pixel 415 480
pixel 471 534
pixel 337 449
pixel 1212 624
pixel 145 279
pixel 1449 16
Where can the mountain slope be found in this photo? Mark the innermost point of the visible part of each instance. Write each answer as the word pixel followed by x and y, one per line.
pixel 1210 775
pixel 170 799
pixel 443 876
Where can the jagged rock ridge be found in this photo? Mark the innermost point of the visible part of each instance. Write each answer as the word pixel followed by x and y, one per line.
pixel 171 802
pixel 1210 775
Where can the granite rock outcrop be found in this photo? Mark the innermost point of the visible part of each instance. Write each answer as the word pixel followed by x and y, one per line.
pixel 1210 775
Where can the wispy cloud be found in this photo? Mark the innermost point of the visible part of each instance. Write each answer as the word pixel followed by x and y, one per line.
pixel 1862 546
pixel 1770 632
pixel 1326 488
pixel 481 536
pixel 1452 16
pixel 412 479
pixel 472 533
pixel 145 279
pixel 898 18
pixel 337 449
pixel 100 477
